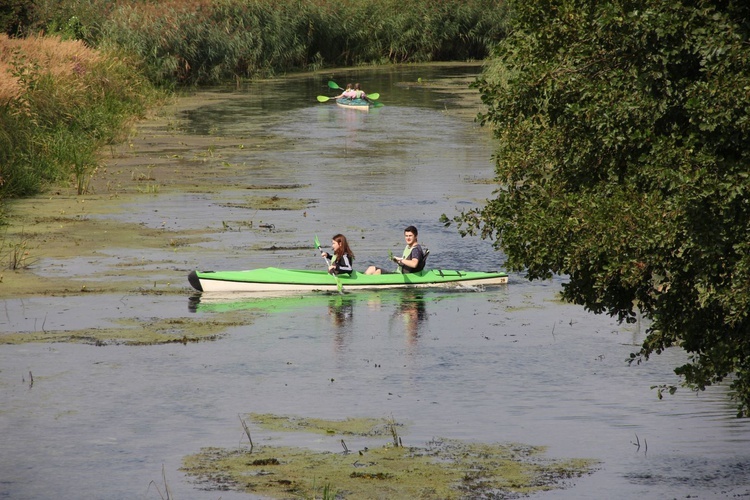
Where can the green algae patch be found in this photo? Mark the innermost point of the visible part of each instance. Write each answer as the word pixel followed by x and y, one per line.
pixel 441 469
pixel 350 426
pixel 271 203
pixel 132 332
pixel 47 232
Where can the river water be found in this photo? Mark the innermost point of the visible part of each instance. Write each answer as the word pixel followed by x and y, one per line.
pixel 504 364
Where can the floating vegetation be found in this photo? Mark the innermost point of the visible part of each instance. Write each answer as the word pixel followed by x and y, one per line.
pixel 276 186
pixel 133 332
pixel 271 203
pixel 442 468
pixel 350 426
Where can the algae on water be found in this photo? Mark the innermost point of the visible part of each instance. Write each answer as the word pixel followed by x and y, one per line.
pixel 369 466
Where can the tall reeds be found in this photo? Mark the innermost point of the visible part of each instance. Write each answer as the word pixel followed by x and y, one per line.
pixel 202 41
pixel 60 101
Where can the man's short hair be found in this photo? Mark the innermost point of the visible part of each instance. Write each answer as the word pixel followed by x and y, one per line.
pixel 411 229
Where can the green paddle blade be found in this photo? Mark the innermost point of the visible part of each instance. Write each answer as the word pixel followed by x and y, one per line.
pixel 334 85
pixel 375 96
pixel 377 105
pixel 317 242
pixel 322 98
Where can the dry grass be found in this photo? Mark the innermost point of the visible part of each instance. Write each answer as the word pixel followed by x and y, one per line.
pixel 63 59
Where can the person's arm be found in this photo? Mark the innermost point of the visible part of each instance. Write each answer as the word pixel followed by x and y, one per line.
pixel 413 261
pixel 331 263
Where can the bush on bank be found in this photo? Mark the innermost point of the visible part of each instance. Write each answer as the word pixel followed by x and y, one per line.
pixel 60 102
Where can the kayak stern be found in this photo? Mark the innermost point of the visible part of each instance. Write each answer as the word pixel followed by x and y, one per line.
pixel 194 281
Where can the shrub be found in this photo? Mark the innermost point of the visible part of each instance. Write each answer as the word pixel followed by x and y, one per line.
pixel 60 101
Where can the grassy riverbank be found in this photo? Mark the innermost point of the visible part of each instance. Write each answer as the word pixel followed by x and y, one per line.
pixel 60 103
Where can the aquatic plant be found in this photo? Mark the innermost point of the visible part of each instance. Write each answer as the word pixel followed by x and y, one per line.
pixel 442 468
pixel 17 255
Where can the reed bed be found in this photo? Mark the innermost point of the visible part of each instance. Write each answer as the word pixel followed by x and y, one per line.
pixel 61 60
pixel 60 101
pixel 203 42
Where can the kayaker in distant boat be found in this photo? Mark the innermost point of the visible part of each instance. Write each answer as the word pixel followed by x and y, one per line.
pixel 359 93
pixel 342 258
pixel 413 258
pixel 348 93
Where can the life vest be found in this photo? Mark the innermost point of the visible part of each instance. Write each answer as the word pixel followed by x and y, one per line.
pixel 407 254
pixel 343 264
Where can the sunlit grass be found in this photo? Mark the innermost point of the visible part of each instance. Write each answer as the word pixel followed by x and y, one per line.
pixel 60 103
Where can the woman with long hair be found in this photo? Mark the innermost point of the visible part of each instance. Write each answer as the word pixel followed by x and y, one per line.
pixel 342 258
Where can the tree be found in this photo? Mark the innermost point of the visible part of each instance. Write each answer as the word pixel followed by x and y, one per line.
pixel 15 16
pixel 623 163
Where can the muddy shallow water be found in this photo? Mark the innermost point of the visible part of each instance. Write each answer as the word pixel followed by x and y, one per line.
pixel 240 179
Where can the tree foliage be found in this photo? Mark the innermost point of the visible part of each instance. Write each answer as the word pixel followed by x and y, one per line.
pixel 623 164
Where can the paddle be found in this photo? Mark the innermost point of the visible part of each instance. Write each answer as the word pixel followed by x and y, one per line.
pixel 391 257
pixel 339 286
pixel 334 85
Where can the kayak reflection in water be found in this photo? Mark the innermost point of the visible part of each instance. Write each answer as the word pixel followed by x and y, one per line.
pixel 341 310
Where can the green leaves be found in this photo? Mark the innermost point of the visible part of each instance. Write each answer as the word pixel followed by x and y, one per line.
pixel 622 164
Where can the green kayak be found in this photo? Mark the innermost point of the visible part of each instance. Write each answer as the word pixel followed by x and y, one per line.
pixel 273 279
pixel 359 104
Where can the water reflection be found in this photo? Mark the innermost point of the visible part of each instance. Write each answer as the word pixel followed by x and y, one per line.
pixel 263 302
pixel 341 310
pixel 413 312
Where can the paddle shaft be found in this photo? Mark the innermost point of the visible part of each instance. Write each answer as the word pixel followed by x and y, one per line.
pixel 339 286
